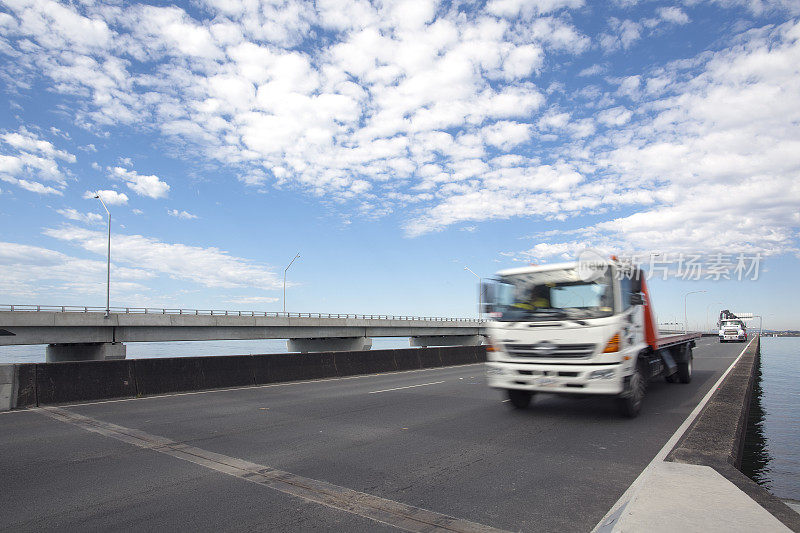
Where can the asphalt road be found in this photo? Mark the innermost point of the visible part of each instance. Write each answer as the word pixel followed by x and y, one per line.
pixel 436 440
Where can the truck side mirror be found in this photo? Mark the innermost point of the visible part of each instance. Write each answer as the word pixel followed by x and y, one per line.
pixel 637 298
pixel 636 282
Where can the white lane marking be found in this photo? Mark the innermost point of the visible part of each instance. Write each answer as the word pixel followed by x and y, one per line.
pixel 407 387
pixel 662 453
pixel 382 510
pixel 246 387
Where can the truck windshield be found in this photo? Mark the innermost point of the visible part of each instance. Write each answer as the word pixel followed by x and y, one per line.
pixel 550 295
pixel 732 324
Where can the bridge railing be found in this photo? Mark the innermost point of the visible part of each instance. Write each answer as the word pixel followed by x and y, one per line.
pixel 218 312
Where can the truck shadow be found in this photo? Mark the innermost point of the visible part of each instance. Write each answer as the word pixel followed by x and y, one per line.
pixel 661 397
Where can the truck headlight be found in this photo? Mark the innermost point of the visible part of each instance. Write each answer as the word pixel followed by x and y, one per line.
pixel 605 373
pixel 494 371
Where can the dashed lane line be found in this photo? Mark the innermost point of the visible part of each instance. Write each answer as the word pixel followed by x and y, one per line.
pixel 406 387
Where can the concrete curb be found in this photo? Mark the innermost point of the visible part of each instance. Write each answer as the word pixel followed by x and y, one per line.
pixel 716 437
pixel 36 384
pixel 714 494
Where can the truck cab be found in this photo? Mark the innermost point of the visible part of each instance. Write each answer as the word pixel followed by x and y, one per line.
pixel 732 330
pixel 562 329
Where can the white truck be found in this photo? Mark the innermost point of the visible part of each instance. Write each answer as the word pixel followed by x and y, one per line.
pixel 731 327
pixel 577 330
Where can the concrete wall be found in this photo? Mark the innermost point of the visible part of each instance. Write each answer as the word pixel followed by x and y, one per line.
pixel 716 437
pixel 697 486
pixel 35 384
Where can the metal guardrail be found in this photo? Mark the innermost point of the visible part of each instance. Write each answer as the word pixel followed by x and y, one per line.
pixel 217 312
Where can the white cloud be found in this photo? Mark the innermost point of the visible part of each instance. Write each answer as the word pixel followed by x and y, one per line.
pixel 26 160
pixel 25 141
pixel 592 71
pixel 616 116
pixel 151 186
pixel 253 300
pixel 717 156
pixel 673 14
pixel 529 8
pixel 109 197
pixel 74 214
pixel 33 272
pixel 210 267
pixel 183 215
pixel 418 104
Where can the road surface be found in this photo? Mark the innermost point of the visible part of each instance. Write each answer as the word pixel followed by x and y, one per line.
pixel 409 450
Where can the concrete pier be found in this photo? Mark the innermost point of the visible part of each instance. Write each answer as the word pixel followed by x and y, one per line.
pixel 341 344
pixel 88 351
pixel 451 340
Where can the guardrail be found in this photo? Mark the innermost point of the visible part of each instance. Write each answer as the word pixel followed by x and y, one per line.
pixel 218 312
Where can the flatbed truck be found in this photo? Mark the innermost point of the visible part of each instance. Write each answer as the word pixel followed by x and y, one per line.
pixel 581 331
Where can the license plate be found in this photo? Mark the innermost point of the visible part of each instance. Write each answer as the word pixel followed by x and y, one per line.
pixel 545 382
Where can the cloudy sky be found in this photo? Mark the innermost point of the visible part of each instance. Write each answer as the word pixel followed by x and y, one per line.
pixel 391 144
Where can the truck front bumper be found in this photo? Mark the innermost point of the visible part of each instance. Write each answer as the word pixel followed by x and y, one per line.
pixel 725 338
pixel 559 379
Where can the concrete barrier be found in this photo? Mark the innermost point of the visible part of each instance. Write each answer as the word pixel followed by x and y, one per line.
pixel 165 375
pixel 458 355
pixel 374 362
pixel 30 385
pixel 25 386
pixel 227 371
pixel 7 395
pixel 698 486
pixel 716 438
pixel 430 357
pixel 407 359
pixel 84 381
pixel 480 354
pixel 275 368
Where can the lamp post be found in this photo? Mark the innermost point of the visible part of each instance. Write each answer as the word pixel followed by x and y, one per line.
pixel 284 282
pixel 108 262
pixel 708 324
pixel 480 289
pixel 685 297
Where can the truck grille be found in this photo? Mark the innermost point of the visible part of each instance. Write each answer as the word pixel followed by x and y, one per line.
pixel 548 351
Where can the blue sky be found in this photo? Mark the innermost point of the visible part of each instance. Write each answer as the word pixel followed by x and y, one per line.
pixel 391 144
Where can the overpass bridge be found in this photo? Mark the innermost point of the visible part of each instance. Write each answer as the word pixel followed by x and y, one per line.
pixel 81 333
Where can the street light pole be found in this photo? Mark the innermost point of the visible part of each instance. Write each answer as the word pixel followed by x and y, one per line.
pixel 685 296
pixel 108 255
pixel 284 282
pixel 480 290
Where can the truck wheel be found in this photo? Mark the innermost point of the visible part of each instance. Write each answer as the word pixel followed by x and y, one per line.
pixel 631 403
pixel 685 369
pixel 520 399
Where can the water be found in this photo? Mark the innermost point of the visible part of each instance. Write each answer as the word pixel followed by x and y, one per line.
pixel 149 350
pixel 772 445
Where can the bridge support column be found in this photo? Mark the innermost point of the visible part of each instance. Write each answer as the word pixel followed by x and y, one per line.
pixel 91 351
pixel 329 344
pixel 446 340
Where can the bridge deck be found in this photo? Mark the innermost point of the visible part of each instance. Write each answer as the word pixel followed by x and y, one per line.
pixel 438 440
pixel 57 327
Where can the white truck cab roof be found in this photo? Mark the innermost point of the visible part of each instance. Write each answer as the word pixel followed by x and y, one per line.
pixel 538 268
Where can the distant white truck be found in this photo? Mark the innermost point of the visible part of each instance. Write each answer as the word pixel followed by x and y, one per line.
pixel 582 330
pixel 731 327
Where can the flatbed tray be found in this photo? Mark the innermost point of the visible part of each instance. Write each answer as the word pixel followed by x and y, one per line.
pixel 672 340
